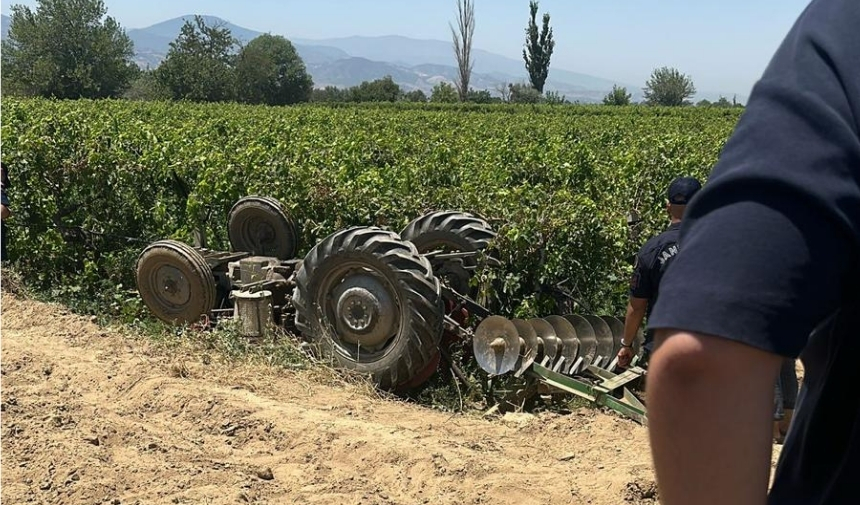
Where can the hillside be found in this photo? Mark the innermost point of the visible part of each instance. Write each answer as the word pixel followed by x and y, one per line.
pixel 412 63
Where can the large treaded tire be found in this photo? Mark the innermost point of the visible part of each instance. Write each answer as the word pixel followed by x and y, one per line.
pixel 259 225
pixel 451 231
pixel 415 298
pixel 175 282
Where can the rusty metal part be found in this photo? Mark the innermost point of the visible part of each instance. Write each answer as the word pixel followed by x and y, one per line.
pixel 569 341
pixel 587 338
pixel 497 345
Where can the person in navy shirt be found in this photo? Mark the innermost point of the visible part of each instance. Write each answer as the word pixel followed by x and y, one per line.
pixel 768 269
pixel 649 265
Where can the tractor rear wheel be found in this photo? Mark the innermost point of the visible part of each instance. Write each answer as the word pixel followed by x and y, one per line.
pixel 259 225
pixel 451 231
pixel 175 282
pixel 367 299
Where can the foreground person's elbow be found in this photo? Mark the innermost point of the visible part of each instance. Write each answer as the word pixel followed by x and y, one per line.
pixel 682 358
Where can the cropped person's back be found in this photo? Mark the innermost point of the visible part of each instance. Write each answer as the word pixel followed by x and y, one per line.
pixel 768 269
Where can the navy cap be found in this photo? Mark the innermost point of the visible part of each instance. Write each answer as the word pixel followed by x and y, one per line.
pixel 682 189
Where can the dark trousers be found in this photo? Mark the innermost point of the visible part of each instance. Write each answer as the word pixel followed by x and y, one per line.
pixel 786 389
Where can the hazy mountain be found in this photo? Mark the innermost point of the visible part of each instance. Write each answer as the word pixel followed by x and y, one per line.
pixel 152 43
pixel 4 25
pixel 412 63
pixel 411 52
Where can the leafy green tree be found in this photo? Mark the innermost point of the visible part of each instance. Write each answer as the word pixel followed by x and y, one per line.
pixel 330 94
pixel 523 93
pixel 444 92
pixel 618 96
pixel 270 71
pixel 538 48
pixel 199 64
pixel 668 87
pixel 554 98
pixel 482 96
pixel 723 102
pixel 415 95
pixel 380 90
pixel 66 49
pixel 704 103
pixel 147 87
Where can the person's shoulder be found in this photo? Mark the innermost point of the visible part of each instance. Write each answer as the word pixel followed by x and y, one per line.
pixel 649 250
pixel 660 239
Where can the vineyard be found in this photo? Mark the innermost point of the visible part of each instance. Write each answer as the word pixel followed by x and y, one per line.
pixel 94 181
pixel 92 412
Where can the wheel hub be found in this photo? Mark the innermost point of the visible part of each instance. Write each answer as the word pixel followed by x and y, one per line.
pixel 262 232
pixel 174 286
pixel 365 311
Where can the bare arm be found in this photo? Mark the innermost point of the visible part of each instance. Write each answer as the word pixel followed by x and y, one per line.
pixel 636 308
pixel 4 212
pixel 710 403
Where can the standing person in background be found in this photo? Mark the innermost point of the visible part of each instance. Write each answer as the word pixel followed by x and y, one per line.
pixel 786 399
pixel 650 264
pixel 4 210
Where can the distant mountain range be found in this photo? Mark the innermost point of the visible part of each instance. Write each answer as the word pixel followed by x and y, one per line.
pixel 412 63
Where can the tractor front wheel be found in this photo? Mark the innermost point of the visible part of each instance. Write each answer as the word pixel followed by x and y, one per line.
pixel 367 299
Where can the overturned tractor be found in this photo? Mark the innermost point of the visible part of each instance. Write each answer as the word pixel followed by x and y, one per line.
pixel 381 303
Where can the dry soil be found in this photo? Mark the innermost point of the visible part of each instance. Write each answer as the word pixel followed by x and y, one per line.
pixel 95 416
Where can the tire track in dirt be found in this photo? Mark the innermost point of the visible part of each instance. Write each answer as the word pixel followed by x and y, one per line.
pixel 93 416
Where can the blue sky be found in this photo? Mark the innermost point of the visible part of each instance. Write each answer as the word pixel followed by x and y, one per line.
pixel 723 45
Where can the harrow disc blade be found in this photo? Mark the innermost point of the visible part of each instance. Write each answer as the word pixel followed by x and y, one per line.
pixel 603 333
pixel 496 345
pixel 546 333
pixel 617 329
pixel 569 341
pixel 587 338
pixel 532 346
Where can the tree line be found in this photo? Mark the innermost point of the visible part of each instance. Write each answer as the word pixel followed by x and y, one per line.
pixel 666 86
pixel 94 59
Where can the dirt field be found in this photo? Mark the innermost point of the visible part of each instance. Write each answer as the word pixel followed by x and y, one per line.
pixel 95 417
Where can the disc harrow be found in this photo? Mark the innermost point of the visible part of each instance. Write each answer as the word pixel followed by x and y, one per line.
pixel 564 352
pixel 386 304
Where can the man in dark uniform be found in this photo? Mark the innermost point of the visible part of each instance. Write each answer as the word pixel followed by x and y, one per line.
pixel 769 269
pixel 648 268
